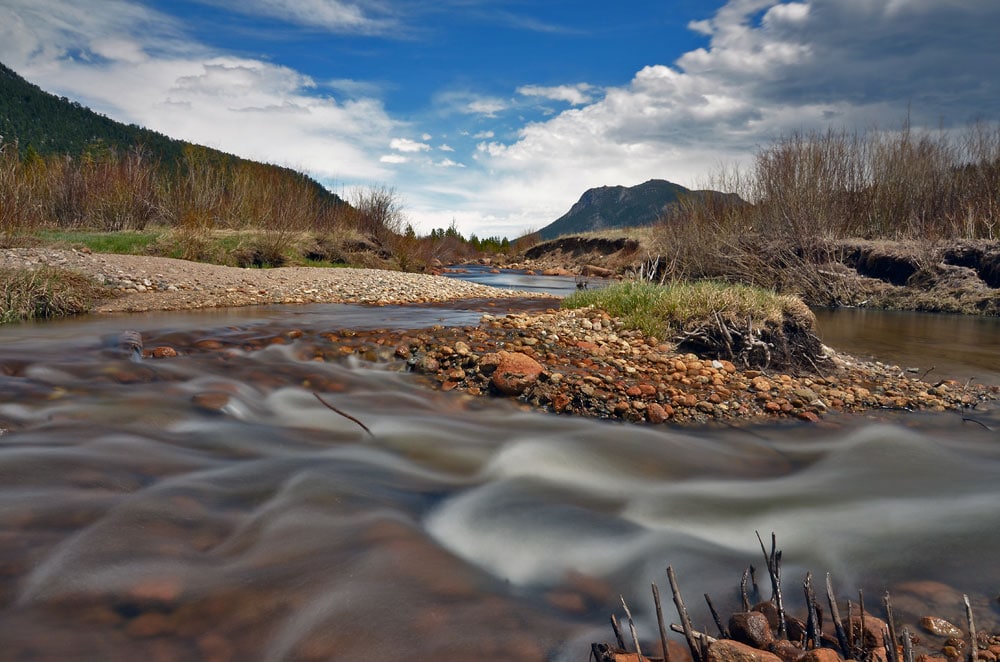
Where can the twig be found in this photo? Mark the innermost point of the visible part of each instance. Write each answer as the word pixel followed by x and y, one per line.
pixel 927 372
pixel 861 601
pixel 631 627
pixel 907 645
pixel 618 632
pixel 812 619
pixel 682 612
pixel 973 652
pixel 347 416
pixel 837 623
pixel 891 626
pixel 659 622
pixel 715 617
pixel 701 636
pixel 743 590
pixel 774 570
pixel 966 419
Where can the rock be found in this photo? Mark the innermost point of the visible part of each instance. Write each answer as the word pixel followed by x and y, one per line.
pixel 940 627
pixel 727 650
pixel 822 655
pixel 751 628
pixel 427 365
pixel 515 373
pixel 656 413
pixel 210 401
pixel 594 270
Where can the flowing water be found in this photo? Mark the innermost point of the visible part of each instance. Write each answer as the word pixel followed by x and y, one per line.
pixel 137 522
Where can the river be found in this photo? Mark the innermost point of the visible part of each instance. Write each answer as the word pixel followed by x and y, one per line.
pixel 138 523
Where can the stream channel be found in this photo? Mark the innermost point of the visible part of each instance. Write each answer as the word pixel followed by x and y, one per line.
pixel 137 525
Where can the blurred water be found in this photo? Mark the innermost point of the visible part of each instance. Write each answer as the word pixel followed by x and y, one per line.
pixel 136 522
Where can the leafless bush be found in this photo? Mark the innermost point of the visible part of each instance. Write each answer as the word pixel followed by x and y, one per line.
pixel 378 212
pixel 21 193
pixel 807 190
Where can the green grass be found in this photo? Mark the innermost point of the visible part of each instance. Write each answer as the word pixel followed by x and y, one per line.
pixel 122 242
pixel 44 293
pixel 666 310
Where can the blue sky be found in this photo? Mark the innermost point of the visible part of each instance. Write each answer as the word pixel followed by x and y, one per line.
pixel 498 114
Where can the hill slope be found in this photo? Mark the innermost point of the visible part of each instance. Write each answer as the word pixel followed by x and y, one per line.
pixel 52 125
pixel 618 207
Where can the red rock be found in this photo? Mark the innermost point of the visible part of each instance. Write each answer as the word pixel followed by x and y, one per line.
pixel 727 650
pixel 560 401
pixel 633 391
pixel 808 416
pixel 515 373
pixel 163 352
pixel 751 628
pixel 787 651
pixel 656 414
pixel 822 655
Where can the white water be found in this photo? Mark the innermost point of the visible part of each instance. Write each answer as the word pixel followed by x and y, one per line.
pixel 276 529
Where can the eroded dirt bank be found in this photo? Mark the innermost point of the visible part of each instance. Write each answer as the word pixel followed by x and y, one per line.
pixel 950 277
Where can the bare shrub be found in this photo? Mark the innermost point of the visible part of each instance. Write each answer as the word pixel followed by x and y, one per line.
pixel 378 212
pixel 22 184
pixel 808 190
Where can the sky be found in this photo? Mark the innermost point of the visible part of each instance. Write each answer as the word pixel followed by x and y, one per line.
pixel 496 115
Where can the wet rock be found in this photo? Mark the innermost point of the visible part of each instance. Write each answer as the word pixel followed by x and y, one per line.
pixel 163 352
pixel 210 401
pixel 515 372
pixel 939 627
pixel 751 628
pixel 727 650
pixel 822 655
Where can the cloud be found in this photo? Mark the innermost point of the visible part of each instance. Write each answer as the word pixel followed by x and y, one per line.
pixel 576 95
pixel 448 163
pixel 407 145
pixel 136 65
pixel 370 17
pixel 394 159
pixel 770 68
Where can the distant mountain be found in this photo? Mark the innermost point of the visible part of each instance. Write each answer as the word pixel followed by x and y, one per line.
pixel 619 207
pixel 52 125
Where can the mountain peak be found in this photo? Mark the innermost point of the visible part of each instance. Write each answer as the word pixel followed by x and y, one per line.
pixel 617 207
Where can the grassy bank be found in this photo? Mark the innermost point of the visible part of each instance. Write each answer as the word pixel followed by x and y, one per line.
pixel 750 326
pixel 45 293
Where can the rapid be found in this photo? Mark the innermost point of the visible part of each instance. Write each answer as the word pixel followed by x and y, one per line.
pixel 210 506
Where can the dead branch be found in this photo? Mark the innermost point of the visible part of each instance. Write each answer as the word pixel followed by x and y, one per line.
pixel 838 625
pixel 631 627
pixel 774 570
pixel 682 612
pixel 973 649
pixel 345 415
pixel 659 622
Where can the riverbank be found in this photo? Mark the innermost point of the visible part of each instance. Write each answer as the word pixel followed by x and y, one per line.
pixel 580 362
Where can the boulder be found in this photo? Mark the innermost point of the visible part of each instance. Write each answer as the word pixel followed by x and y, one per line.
pixel 515 372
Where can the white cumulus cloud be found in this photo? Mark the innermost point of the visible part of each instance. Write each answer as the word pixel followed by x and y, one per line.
pixel 407 145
